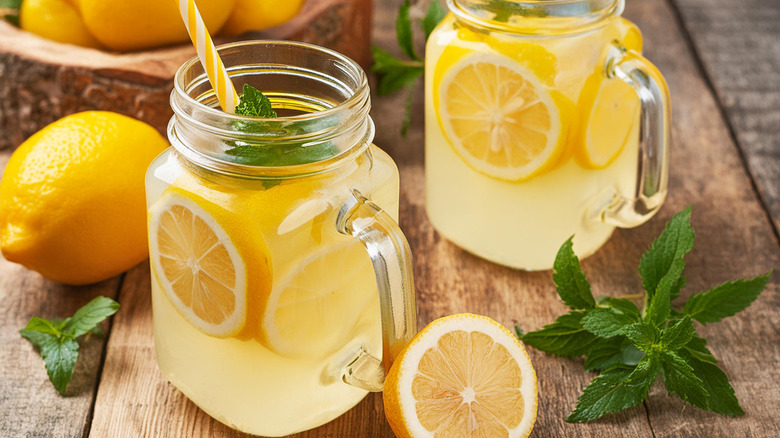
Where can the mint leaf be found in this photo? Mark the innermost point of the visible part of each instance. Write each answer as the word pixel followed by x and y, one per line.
pixel 254 104
pixel 680 378
pixel 394 74
pixel 616 389
pixel 59 356
pixel 721 397
pixel 610 352
pixel 571 283
pixel 433 17
pixel 643 335
pixel 259 155
pixel 725 300
pixel 56 339
pixel 667 250
pixel 622 305
pixel 89 316
pixel 660 306
pixel 678 335
pixel 606 323
pixel 504 10
pixel 403 31
pixel 40 325
pixel 565 337
pixel 697 348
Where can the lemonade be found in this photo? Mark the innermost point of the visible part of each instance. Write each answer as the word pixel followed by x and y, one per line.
pixel 321 305
pixel 269 312
pixel 528 140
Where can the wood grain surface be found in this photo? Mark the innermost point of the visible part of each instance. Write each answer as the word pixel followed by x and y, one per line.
pixel 734 238
pixel 738 44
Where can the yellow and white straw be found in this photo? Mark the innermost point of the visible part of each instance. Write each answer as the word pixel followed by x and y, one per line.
pixel 215 69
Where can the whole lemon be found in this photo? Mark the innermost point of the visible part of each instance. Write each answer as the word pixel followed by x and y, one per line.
pixel 72 199
pixel 260 14
pixel 57 20
pixel 142 24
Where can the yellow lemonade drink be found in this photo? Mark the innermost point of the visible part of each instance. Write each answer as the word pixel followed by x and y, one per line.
pixel 262 296
pixel 528 140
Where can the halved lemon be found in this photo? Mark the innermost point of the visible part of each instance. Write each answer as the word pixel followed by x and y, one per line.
pixel 198 263
pixel 611 110
pixel 499 117
pixel 462 376
pixel 314 306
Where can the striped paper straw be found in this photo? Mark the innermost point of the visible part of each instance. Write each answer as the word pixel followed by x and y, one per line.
pixel 215 69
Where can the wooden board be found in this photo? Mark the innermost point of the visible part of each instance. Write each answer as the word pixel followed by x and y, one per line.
pixel 42 80
pixel 734 238
pixel 737 43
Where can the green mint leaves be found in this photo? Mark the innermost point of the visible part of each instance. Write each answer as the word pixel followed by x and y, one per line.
pixel 395 74
pixel 632 348
pixel 254 104
pixel 9 11
pixel 57 339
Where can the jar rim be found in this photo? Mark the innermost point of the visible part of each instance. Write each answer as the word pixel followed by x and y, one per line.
pixel 348 119
pixel 539 17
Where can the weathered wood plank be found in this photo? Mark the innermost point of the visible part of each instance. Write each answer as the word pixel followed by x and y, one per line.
pixel 737 43
pixel 734 239
pixel 29 404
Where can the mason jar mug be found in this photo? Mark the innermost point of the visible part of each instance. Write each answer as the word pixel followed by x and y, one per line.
pixel 542 121
pixel 281 283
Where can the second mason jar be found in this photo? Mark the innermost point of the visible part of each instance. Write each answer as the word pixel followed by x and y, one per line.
pixel 542 121
pixel 280 289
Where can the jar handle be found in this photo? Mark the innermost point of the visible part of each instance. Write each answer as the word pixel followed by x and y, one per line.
pixel 654 137
pixel 392 260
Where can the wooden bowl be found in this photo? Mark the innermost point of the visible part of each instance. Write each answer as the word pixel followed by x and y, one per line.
pixel 42 80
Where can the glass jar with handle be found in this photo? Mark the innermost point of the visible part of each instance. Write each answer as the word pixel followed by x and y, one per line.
pixel 542 121
pixel 279 285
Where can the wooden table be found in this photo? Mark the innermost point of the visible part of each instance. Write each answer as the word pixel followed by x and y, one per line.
pixel 721 59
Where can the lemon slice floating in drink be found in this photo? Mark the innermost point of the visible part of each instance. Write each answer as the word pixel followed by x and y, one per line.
pixel 462 375
pixel 499 117
pixel 313 306
pixel 202 259
pixel 610 109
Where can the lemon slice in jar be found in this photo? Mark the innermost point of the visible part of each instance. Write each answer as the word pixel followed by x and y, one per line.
pixel 315 306
pixel 499 117
pixel 205 261
pixel 610 109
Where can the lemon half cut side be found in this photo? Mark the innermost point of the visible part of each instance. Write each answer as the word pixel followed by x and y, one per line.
pixel 198 265
pixel 462 376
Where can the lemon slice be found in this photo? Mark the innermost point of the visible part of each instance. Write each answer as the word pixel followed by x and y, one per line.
pixel 499 117
pixel 198 265
pixel 462 376
pixel 611 109
pixel 314 306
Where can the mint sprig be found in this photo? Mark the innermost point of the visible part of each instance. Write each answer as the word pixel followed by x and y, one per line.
pixel 394 73
pixel 632 347
pixel 57 339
